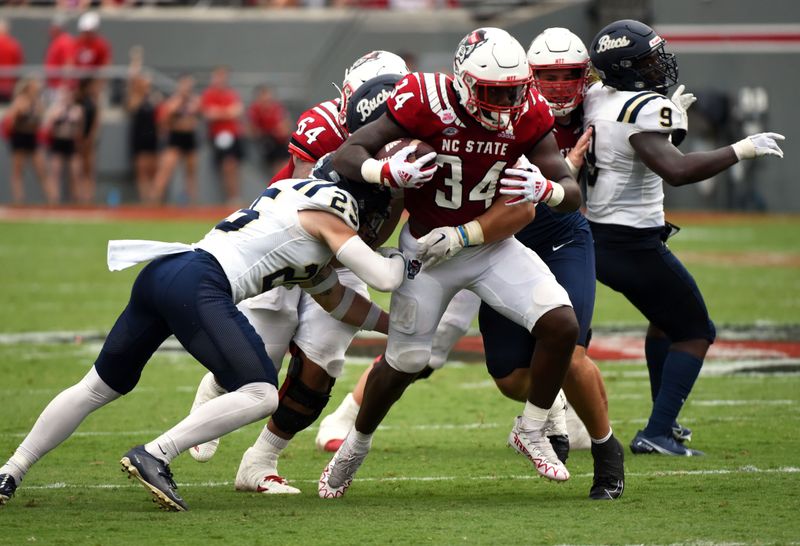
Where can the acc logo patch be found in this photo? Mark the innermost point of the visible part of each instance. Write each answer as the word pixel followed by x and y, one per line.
pixel 414 267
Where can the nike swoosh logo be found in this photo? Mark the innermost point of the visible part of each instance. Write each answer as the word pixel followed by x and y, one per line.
pixel 557 247
pixel 439 240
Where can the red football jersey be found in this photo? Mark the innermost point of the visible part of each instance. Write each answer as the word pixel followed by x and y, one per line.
pixel 471 158
pixel 318 133
pixel 567 135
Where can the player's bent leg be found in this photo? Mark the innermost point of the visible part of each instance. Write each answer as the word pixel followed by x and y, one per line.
pixel 304 394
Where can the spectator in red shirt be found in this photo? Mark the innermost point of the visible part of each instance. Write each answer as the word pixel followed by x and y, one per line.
pixel 60 53
pixel 222 108
pixel 10 57
pixel 91 49
pixel 269 127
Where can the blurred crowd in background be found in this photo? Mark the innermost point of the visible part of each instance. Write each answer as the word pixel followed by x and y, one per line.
pixel 53 125
pixel 374 4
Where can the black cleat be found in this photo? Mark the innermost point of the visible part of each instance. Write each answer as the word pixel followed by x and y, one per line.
pixel 156 476
pixel 609 470
pixel 681 433
pixel 560 443
pixel 7 487
pixel 664 445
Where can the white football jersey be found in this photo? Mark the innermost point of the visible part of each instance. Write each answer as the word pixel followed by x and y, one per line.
pixel 621 189
pixel 265 246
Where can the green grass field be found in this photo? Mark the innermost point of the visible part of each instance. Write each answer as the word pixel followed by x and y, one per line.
pixel 439 471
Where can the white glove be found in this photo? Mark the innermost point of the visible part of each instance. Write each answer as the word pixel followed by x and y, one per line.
pixel 758 145
pixel 440 244
pixel 396 172
pixel 530 186
pixel 681 100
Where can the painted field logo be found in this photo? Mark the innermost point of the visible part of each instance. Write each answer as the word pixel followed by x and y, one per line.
pixel 607 42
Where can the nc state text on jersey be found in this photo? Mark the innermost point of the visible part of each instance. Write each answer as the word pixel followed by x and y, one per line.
pixel 474 146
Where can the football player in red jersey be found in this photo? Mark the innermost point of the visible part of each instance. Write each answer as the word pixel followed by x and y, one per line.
pixel 480 122
pixel 322 128
pixel 285 318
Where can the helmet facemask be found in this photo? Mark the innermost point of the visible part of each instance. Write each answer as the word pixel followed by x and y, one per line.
pixel 562 94
pixel 495 104
pixel 657 70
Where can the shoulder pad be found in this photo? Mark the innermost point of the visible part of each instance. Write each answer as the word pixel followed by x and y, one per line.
pixel 327 196
pixel 650 111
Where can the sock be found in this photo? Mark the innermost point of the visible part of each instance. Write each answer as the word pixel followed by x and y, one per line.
pixel 533 417
pixel 359 440
pixel 655 350
pixel 604 439
pixel 269 442
pixel 349 407
pixel 680 372
pixel 59 420
pixel 216 418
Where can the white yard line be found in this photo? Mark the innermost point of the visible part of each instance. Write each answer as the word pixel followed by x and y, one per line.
pixel 656 474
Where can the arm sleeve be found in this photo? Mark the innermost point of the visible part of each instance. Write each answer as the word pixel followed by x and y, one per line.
pixel 384 274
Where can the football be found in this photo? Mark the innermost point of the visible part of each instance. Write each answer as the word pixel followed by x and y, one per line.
pixel 395 146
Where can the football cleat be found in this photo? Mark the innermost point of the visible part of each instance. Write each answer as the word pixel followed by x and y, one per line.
pixel 556 427
pixel 259 473
pixel 206 390
pixel 681 433
pixel 609 470
pixel 338 474
pixel 7 487
pixel 155 476
pixel 536 447
pixel 334 428
pixel 665 445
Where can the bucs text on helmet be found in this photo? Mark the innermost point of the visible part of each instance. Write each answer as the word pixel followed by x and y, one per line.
pixel 492 77
pixel 560 65
pixel 629 56
pixel 367 104
pixel 374 63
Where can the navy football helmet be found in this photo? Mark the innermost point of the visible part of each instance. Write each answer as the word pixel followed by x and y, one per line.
pixel 629 56
pixel 367 103
pixel 373 200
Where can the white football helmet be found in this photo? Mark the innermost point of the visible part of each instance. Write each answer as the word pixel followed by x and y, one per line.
pixel 374 63
pixel 492 77
pixel 559 49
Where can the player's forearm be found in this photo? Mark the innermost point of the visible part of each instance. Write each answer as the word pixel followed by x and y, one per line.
pixel 383 274
pixel 698 166
pixel 500 222
pixel 344 304
pixel 349 158
pixel 573 198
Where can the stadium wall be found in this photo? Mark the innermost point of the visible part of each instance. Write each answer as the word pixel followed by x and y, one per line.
pixel 299 52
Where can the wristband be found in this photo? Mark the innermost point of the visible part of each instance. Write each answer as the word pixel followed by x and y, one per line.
pixel 372 317
pixel 744 149
pixel 573 170
pixel 371 170
pixel 556 195
pixel 472 233
pixel 344 305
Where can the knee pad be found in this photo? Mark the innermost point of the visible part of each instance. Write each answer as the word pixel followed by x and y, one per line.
pixel 291 420
pixel 409 359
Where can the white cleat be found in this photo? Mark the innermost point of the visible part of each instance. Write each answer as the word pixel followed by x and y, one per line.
pixel 259 473
pixel 536 447
pixel 556 424
pixel 208 389
pixel 339 472
pixel 334 428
